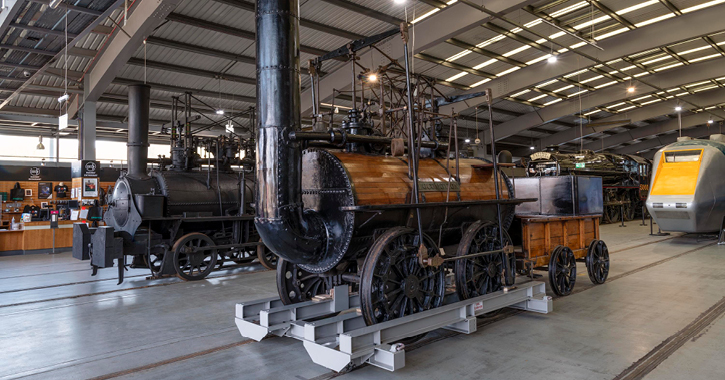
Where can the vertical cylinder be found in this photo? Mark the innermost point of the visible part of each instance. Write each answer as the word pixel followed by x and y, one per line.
pixel 139 102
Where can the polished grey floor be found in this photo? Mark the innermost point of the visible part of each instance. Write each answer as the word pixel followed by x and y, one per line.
pixel 57 322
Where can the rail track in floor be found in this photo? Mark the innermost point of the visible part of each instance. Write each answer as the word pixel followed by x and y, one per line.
pixel 482 322
pixel 172 281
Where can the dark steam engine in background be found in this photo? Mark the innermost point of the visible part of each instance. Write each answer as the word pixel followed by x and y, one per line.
pixel 625 178
pixel 186 220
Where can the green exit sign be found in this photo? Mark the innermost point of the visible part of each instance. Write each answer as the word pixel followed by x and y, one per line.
pixel 580 165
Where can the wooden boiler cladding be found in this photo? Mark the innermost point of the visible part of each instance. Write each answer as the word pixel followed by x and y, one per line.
pixel 384 180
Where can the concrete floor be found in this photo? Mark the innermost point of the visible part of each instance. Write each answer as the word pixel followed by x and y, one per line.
pixel 60 323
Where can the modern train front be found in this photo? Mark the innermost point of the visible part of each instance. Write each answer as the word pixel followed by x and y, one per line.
pixel 687 193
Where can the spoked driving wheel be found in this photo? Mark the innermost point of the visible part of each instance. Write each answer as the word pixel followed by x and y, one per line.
pixel 629 208
pixel 562 270
pixel 266 257
pixel 295 284
pixel 192 259
pixel 611 212
pixel 393 281
pixel 597 262
pixel 483 274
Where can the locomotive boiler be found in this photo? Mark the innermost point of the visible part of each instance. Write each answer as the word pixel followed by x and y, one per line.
pixel 390 226
pixel 184 220
pixel 625 178
pixel 687 193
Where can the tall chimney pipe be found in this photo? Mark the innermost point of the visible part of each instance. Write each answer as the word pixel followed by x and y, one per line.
pixel 296 235
pixel 139 103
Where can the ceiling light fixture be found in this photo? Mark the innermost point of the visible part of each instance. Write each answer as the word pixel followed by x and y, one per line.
pixel 63 98
pixel 399 1
pixel 54 3
pixel 532 148
pixel 552 59
pixel 631 90
pixel 40 143
pixel 220 112
pixel 678 108
pixel 372 77
pixel 467 141
pixel 710 121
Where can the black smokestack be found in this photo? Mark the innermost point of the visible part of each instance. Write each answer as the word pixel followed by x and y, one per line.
pixel 295 237
pixel 139 99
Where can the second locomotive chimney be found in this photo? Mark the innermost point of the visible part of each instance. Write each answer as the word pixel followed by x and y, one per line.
pixel 139 99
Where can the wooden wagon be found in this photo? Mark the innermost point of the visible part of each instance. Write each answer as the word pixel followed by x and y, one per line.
pixel 556 243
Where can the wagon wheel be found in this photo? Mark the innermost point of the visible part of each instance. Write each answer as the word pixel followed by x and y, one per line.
pixel 482 274
pixel 266 257
pixel 611 212
pixel 191 264
pixel 562 270
pixel 393 283
pixel 597 261
pixel 295 284
pixel 629 208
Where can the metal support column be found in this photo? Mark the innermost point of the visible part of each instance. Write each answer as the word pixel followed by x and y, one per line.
pixel 87 135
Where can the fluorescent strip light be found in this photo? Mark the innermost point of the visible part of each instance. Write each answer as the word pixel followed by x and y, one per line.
pixel 511 70
pixel 656 19
pixel 451 79
pixel 480 82
pixel 701 6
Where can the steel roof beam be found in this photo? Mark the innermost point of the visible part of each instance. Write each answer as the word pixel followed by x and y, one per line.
pixel 357 8
pixel 671 7
pixel 191 71
pixel 663 33
pixel 439 27
pixel 247 6
pixel 655 128
pixel 46 67
pixel 659 141
pixel 612 14
pixel 228 30
pixel 683 75
pixel 9 14
pixel 201 50
pixel 574 134
pixel 145 16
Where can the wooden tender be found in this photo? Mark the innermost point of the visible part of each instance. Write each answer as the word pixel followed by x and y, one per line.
pixel 555 243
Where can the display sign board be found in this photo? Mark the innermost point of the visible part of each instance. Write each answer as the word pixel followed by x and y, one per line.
pixel 541 156
pixel 580 165
pixel 34 174
pixel 54 218
pixel 85 168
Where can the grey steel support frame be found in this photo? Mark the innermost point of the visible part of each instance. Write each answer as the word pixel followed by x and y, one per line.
pixel 342 340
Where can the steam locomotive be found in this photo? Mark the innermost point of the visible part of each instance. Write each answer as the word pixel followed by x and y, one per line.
pixel 184 220
pixel 625 178
pixel 341 213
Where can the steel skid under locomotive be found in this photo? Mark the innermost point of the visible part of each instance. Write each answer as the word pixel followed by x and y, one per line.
pixel 183 220
pixel 625 177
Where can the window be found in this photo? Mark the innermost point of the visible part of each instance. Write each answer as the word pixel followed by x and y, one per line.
pixel 683 156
